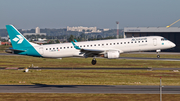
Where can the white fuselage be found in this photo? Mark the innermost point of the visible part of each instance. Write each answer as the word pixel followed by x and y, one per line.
pixel 122 45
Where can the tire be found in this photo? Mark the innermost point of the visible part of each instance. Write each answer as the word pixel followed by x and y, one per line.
pixel 93 62
pixel 158 56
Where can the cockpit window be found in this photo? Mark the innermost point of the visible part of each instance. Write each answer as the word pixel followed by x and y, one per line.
pixel 163 39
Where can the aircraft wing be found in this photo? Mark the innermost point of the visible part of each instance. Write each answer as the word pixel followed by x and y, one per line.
pixel 87 52
pixel 92 50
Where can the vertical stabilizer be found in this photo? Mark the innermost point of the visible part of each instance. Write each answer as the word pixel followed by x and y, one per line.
pixel 17 39
pixel 19 42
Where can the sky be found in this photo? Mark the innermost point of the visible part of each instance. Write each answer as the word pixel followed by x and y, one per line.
pixel 28 14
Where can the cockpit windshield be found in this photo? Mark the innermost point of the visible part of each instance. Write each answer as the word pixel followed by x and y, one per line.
pixel 163 39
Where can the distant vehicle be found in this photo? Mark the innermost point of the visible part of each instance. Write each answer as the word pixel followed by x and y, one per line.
pixel 110 49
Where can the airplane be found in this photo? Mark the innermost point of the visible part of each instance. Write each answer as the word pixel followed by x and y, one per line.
pixel 110 49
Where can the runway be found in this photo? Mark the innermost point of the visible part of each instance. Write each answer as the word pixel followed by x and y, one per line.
pixel 107 89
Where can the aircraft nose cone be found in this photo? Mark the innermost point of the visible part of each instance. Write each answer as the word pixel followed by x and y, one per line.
pixel 173 45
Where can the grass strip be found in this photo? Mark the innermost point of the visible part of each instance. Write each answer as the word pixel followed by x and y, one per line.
pixel 26 61
pixel 85 97
pixel 89 77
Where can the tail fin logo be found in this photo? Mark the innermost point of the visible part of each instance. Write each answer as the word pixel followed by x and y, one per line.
pixel 18 39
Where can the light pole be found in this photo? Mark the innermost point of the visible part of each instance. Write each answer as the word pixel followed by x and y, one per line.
pixel 160 90
pixel 117 36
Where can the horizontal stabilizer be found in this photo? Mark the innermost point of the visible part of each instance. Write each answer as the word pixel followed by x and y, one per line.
pixel 11 48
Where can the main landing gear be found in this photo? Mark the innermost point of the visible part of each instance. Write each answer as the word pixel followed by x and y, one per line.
pixel 93 61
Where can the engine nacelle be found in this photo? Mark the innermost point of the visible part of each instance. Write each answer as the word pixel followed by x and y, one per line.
pixel 112 54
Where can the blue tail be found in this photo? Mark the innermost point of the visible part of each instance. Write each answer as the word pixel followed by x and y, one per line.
pixel 20 44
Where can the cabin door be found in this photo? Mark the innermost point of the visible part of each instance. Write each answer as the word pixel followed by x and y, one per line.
pixel 155 41
pixel 41 51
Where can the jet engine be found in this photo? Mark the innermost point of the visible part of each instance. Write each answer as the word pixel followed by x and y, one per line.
pixel 112 54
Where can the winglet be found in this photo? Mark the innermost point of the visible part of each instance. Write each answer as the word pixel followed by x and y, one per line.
pixel 75 46
pixel 75 40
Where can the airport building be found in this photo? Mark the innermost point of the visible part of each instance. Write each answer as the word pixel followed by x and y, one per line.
pixel 37 32
pixel 171 33
pixel 85 29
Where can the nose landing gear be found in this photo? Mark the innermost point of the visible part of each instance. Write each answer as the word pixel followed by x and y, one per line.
pixel 93 61
pixel 158 56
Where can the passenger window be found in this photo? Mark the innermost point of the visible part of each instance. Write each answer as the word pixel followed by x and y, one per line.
pixel 114 43
pixel 46 48
pixel 135 41
pixel 87 45
pixel 98 44
pixel 121 42
pixel 57 47
pixel 64 47
pixel 80 46
pixel 67 47
pixel 53 48
pixel 142 41
pixel 49 48
pixel 102 44
pixel 71 47
pixel 132 42
pixel 60 47
pixel 91 45
pixel 146 40
pixel 139 41
pixel 124 42
pixel 107 44
pixel 110 43
pixel 94 44
pixel 118 43
pixel 84 46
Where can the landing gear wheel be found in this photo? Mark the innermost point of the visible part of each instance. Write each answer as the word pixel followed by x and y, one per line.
pixel 158 56
pixel 93 62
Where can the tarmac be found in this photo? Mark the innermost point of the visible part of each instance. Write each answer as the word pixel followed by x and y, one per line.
pixel 106 89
